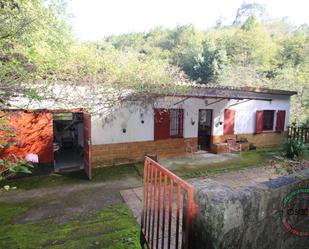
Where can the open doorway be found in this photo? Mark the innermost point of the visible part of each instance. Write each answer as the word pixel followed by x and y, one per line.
pixel 204 128
pixel 68 141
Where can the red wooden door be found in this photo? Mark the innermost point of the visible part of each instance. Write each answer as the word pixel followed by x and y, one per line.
pixel 161 124
pixel 229 121
pixel 87 144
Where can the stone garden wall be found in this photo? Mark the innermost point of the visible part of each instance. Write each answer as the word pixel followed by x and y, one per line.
pixel 251 217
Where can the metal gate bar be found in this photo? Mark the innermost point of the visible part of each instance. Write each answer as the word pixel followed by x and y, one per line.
pixel 161 227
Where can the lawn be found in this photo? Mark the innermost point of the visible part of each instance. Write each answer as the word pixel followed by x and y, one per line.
pixel 253 158
pixel 112 227
pixel 51 179
pixel 109 228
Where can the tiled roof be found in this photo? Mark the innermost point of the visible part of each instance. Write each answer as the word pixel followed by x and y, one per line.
pixel 238 88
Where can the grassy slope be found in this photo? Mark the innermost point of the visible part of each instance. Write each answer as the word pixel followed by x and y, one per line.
pixel 53 179
pixel 110 228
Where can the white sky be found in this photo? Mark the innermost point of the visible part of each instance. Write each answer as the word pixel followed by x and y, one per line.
pixel 94 19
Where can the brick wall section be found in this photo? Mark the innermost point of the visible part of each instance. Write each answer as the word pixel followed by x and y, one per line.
pixel 265 139
pixel 122 153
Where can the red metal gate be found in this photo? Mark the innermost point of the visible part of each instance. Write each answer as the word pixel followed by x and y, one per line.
pixel 168 209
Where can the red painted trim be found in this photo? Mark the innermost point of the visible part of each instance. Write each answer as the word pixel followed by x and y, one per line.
pixel 259 122
pixel 280 121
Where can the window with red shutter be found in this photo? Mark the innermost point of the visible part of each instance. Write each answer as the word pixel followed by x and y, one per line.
pixel 229 122
pixel 268 120
pixel 280 121
pixel 264 121
pixel 168 123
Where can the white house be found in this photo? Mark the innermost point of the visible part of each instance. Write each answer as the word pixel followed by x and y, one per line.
pixel 203 117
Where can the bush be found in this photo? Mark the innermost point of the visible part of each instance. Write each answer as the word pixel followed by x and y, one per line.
pixel 11 167
pixel 295 149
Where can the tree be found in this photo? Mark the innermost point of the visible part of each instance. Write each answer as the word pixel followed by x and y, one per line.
pixel 247 10
pixel 210 63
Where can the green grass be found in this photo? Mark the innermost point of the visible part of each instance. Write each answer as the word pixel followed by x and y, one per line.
pixel 110 228
pixel 54 179
pixel 252 158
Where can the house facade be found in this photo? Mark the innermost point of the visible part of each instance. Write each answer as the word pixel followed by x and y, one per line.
pixel 205 118
pixel 73 138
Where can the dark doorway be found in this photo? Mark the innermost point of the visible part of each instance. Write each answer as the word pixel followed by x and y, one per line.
pixel 68 142
pixel 204 128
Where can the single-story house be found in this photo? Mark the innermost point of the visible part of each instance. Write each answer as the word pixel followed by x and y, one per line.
pixel 204 117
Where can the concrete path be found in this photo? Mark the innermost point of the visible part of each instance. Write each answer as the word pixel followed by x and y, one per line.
pixel 247 177
pixel 65 202
pixel 133 198
pixel 200 158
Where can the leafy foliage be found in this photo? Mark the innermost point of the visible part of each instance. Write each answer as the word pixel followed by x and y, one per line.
pixel 38 45
pixel 294 149
pixel 12 166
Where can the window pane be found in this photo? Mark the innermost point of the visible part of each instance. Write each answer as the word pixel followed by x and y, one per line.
pixel 63 116
pixel 268 120
pixel 176 124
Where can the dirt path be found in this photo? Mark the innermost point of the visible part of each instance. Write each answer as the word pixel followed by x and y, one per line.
pixel 66 202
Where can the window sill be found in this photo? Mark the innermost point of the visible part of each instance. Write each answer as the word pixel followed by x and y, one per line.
pixel 268 131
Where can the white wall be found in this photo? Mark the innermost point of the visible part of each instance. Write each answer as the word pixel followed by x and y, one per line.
pixel 130 118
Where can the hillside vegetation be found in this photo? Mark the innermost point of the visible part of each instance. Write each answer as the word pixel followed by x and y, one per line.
pixel 37 42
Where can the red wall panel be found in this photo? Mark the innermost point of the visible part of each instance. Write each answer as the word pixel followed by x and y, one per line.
pixel 33 134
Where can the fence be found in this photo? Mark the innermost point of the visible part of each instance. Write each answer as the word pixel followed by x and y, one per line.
pixel 298 133
pixel 168 209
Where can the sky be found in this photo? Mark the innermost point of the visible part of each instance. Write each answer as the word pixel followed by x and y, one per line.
pixel 95 19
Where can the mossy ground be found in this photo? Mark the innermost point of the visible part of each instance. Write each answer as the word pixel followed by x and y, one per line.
pixel 50 179
pixel 110 228
pixel 253 158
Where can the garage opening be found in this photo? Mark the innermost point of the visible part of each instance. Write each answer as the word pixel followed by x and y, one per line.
pixel 68 141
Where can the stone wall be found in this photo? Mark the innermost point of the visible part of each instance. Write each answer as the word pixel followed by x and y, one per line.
pixel 251 217
pixel 123 153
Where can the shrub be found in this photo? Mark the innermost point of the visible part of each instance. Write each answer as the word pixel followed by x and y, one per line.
pixel 294 149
